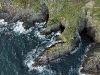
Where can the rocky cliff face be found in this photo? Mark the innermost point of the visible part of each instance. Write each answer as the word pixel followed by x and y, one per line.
pixel 11 13
pixel 91 63
pixel 90 21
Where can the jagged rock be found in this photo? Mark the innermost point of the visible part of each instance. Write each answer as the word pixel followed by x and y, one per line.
pixel 26 15
pixel 90 23
pixel 42 15
pixel 91 64
pixel 53 28
pixel 53 53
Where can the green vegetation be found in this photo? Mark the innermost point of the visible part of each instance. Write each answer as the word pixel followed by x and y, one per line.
pixel 97 3
pixel 67 10
pixel 96 13
pixel 27 3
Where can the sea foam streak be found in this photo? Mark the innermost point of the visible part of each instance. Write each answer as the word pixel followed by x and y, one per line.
pixel 49 40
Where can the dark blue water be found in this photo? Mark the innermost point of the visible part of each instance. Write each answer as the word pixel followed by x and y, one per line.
pixel 17 47
pixel 70 64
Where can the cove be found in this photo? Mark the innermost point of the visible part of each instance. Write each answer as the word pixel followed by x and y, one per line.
pixel 70 64
pixel 16 47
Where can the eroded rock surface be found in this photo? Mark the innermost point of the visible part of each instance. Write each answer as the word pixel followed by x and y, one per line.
pixel 91 63
pixel 27 15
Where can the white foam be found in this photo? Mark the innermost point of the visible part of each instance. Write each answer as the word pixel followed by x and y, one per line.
pixel 40 24
pixel 58 33
pixel 37 34
pixel 82 73
pixel 40 36
pixel 20 29
pixel 39 68
pixel 75 50
pixel 30 63
pixel 2 22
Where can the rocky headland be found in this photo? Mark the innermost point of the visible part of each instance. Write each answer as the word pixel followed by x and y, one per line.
pixel 70 22
pixel 91 63
pixel 13 13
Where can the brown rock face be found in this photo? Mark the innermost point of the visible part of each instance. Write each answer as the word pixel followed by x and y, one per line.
pixel 91 63
pixel 93 27
pixel 90 21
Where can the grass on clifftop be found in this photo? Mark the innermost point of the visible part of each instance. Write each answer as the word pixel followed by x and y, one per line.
pixel 96 14
pixel 95 11
pixel 69 10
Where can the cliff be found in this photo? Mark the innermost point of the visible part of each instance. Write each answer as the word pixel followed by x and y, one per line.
pixel 61 11
pixel 73 15
pixel 91 64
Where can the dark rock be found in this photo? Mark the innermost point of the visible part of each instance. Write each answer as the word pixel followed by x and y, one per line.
pixel 42 15
pixel 43 60
pixel 45 57
pixel 5 14
pixel 91 64
pixel 53 28
pixel 21 14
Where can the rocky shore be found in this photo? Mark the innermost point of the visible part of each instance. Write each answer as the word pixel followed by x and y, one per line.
pixel 89 19
pixel 12 14
pixel 91 63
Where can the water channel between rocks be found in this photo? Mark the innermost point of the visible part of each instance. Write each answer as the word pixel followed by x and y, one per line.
pixel 18 47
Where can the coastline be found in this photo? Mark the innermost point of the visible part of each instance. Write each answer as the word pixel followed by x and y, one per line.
pixel 14 13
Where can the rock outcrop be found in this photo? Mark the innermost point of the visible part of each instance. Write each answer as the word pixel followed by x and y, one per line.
pixel 89 21
pixel 53 53
pixel 53 28
pixel 42 15
pixel 13 14
pixel 91 63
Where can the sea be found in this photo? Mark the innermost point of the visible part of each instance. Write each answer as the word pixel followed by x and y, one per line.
pixel 20 47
